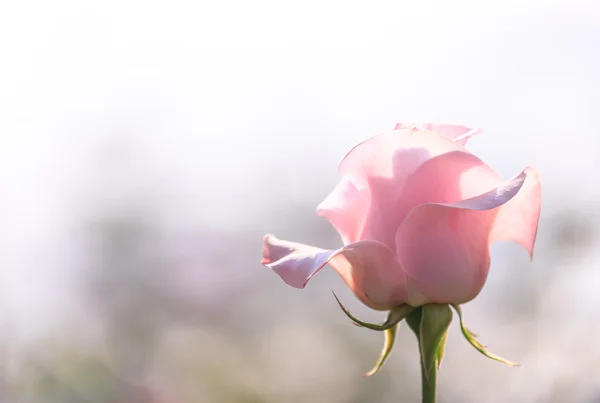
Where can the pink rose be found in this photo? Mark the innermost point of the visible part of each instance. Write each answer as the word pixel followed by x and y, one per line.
pixel 416 212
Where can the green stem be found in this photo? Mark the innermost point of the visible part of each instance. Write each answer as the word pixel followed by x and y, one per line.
pixel 428 386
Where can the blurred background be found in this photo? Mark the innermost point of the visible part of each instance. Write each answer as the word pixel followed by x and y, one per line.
pixel 146 147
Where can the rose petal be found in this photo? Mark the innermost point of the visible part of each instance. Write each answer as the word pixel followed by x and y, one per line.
pixel 518 219
pixel 459 134
pixel 368 267
pixel 400 170
pixel 379 169
pixel 346 209
pixel 378 156
pixel 444 248
pixel 447 178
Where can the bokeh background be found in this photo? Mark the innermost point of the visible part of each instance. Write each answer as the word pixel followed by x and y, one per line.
pixel 146 147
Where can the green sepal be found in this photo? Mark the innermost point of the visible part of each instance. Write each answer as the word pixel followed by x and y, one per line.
pixel 439 354
pixel 394 317
pixel 433 330
pixel 390 338
pixel 478 346
pixel 414 322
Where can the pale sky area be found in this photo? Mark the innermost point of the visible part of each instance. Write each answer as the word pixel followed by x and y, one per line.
pixel 233 108
pixel 220 97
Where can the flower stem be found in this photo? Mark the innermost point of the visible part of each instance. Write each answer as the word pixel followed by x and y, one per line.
pixel 430 324
pixel 428 386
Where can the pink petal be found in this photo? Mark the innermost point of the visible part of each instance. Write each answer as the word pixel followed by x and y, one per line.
pixel 459 134
pixel 444 248
pixel 393 154
pixel 368 267
pixel 400 170
pixel 346 209
pixel 518 219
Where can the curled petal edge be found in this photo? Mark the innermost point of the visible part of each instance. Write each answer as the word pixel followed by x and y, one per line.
pixel 518 219
pixel 369 268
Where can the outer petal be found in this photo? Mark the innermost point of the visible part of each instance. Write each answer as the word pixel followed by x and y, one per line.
pixel 444 248
pixel 447 178
pixel 379 169
pixel 459 134
pixel 518 219
pixel 403 169
pixel 368 267
pixel 346 209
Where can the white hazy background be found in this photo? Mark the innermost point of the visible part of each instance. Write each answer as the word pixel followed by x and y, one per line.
pixel 146 147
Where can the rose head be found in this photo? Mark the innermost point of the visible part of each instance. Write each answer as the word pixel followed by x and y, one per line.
pixel 417 213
